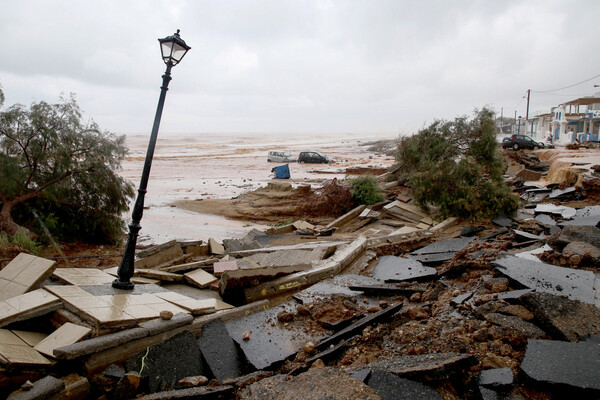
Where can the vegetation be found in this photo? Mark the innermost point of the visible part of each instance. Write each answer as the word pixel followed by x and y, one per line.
pixel 53 161
pixel 456 167
pixel 20 242
pixel 366 190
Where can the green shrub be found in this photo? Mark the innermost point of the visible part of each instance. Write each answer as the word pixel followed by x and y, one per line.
pixel 366 190
pixel 21 241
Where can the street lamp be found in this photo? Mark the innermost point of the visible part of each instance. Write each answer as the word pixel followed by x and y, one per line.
pixel 173 48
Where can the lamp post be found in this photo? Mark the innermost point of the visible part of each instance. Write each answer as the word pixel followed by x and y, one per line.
pixel 173 48
pixel 519 126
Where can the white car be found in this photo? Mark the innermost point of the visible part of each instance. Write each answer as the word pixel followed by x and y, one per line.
pixel 279 156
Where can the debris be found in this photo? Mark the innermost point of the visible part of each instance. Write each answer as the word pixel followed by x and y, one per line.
pixel 42 389
pixel 497 378
pixel 27 306
pixel 575 284
pixel 397 269
pixel 215 247
pixel 567 369
pixel 65 335
pixel 24 274
pixel 445 246
pixel 435 366
pixel 389 387
pixel 200 278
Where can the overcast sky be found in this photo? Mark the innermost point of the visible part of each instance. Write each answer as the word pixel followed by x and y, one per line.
pixel 373 67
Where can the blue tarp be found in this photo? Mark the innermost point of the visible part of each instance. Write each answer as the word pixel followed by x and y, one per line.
pixel 282 172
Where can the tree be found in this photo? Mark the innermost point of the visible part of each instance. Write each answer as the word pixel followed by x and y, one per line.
pixel 51 158
pixel 455 165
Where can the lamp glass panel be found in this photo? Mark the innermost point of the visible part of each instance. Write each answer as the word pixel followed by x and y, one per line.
pixel 166 48
pixel 178 52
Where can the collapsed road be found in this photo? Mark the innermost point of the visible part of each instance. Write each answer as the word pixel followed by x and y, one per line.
pixel 381 303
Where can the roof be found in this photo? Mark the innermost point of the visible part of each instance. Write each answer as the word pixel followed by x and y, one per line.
pixel 583 101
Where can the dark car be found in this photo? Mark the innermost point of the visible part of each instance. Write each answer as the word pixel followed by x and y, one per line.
pixel 314 157
pixel 517 142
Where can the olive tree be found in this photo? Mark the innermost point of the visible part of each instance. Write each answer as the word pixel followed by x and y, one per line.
pixel 53 159
pixel 455 166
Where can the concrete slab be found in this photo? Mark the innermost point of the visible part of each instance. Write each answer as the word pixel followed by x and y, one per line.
pixel 522 236
pixel 162 276
pixel 215 247
pixel 575 284
pixel 194 306
pixel 221 353
pixel 15 352
pixel 31 338
pixel 200 278
pixel 435 258
pixel 564 367
pixel 398 269
pixel 67 334
pixel 28 305
pixel 502 221
pixel 82 276
pixel 515 325
pixel 270 342
pixel 157 255
pixel 444 246
pixel 167 362
pixel 531 255
pixel 222 266
pixel 23 274
pixel 338 286
pixel 390 387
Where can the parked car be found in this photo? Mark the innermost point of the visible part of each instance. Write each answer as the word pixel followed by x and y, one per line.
pixel 314 157
pixel 517 142
pixel 279 156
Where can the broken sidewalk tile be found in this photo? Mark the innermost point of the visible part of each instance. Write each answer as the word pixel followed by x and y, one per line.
pixel 338 285
pixel 570 234
pixel 222 266
pixel 405 230
pixel 215 247
pixel 434 366
pixel 166 363
pixel 350 215
pixel 362 375
pixel 196 307
pixel 545 219
pixel 82 276
pixel 220 352
pixel 28 305
pixel 200 278
pixel 390 387
pixel 497 378
pixel 397 269
pixel 564 211
pixel 270 342
pixel 15 352
pixel 67 334
pixel 563 367
pixel 386 289
pixel 556 193
pixel 575 284
pixel 31 338
pixel 435 258
pixel 23 274
pixel 522 236
pixel 359 325
pixel 43 388
pixel 530 255
pixel 444 246
pixel 562 318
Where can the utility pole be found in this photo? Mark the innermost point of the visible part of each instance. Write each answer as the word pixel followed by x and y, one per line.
pixel 527 114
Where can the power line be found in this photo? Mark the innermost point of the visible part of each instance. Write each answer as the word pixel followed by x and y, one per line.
pixel 566 87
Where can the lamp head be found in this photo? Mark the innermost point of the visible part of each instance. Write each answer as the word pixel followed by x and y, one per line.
pixel 173 49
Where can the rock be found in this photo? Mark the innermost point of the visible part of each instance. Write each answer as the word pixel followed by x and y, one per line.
pixel 572 233
pixel 515 326
pixel 309 348
pixel 374 309
pixel 584 251
pixel 434 366
pixel 567 369
pixel 390 387
pixel 128 386
pixel 562 318
pixel 190 381
pixel 285 316
pixel 246 336
pixel 496 285
pixel 415 313
pixel 166 315
pixel 316 383
pixel 517 311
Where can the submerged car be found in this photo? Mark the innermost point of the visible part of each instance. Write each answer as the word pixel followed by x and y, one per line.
pixel 517 142
pixel 279 156
pixel 314 157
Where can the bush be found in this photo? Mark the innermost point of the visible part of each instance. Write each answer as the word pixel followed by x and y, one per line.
pixel 455 166
pixel 366 190
pixel 19 242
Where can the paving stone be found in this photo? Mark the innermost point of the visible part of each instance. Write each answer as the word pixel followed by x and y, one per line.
pixel 200 278
pixel 222 266
pixel 67 334
pixel 168 362
pixel 270 341
pixel 362 375
pixel 323 383
pixel 15 352
pixel 42 389
pixel 23 274
pixel 215 247
pixel 562 318
pixel 489 394
pixel 497 378
pixel 83 276
pixel 28 305
pixel 107 289
pixel 221 353
pixel 566 368
pixel 31 338
pixel 434 366
pixel 391 387
pixel 502 221
pixel 575 284
pixel 572 233
pixel 398 269
pixel 445 246
pixel 435 258
pixel 545 219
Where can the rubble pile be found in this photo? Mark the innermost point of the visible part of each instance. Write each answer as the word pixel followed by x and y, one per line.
pixel 380 302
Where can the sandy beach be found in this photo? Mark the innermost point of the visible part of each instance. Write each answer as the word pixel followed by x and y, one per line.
pixel 223 166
